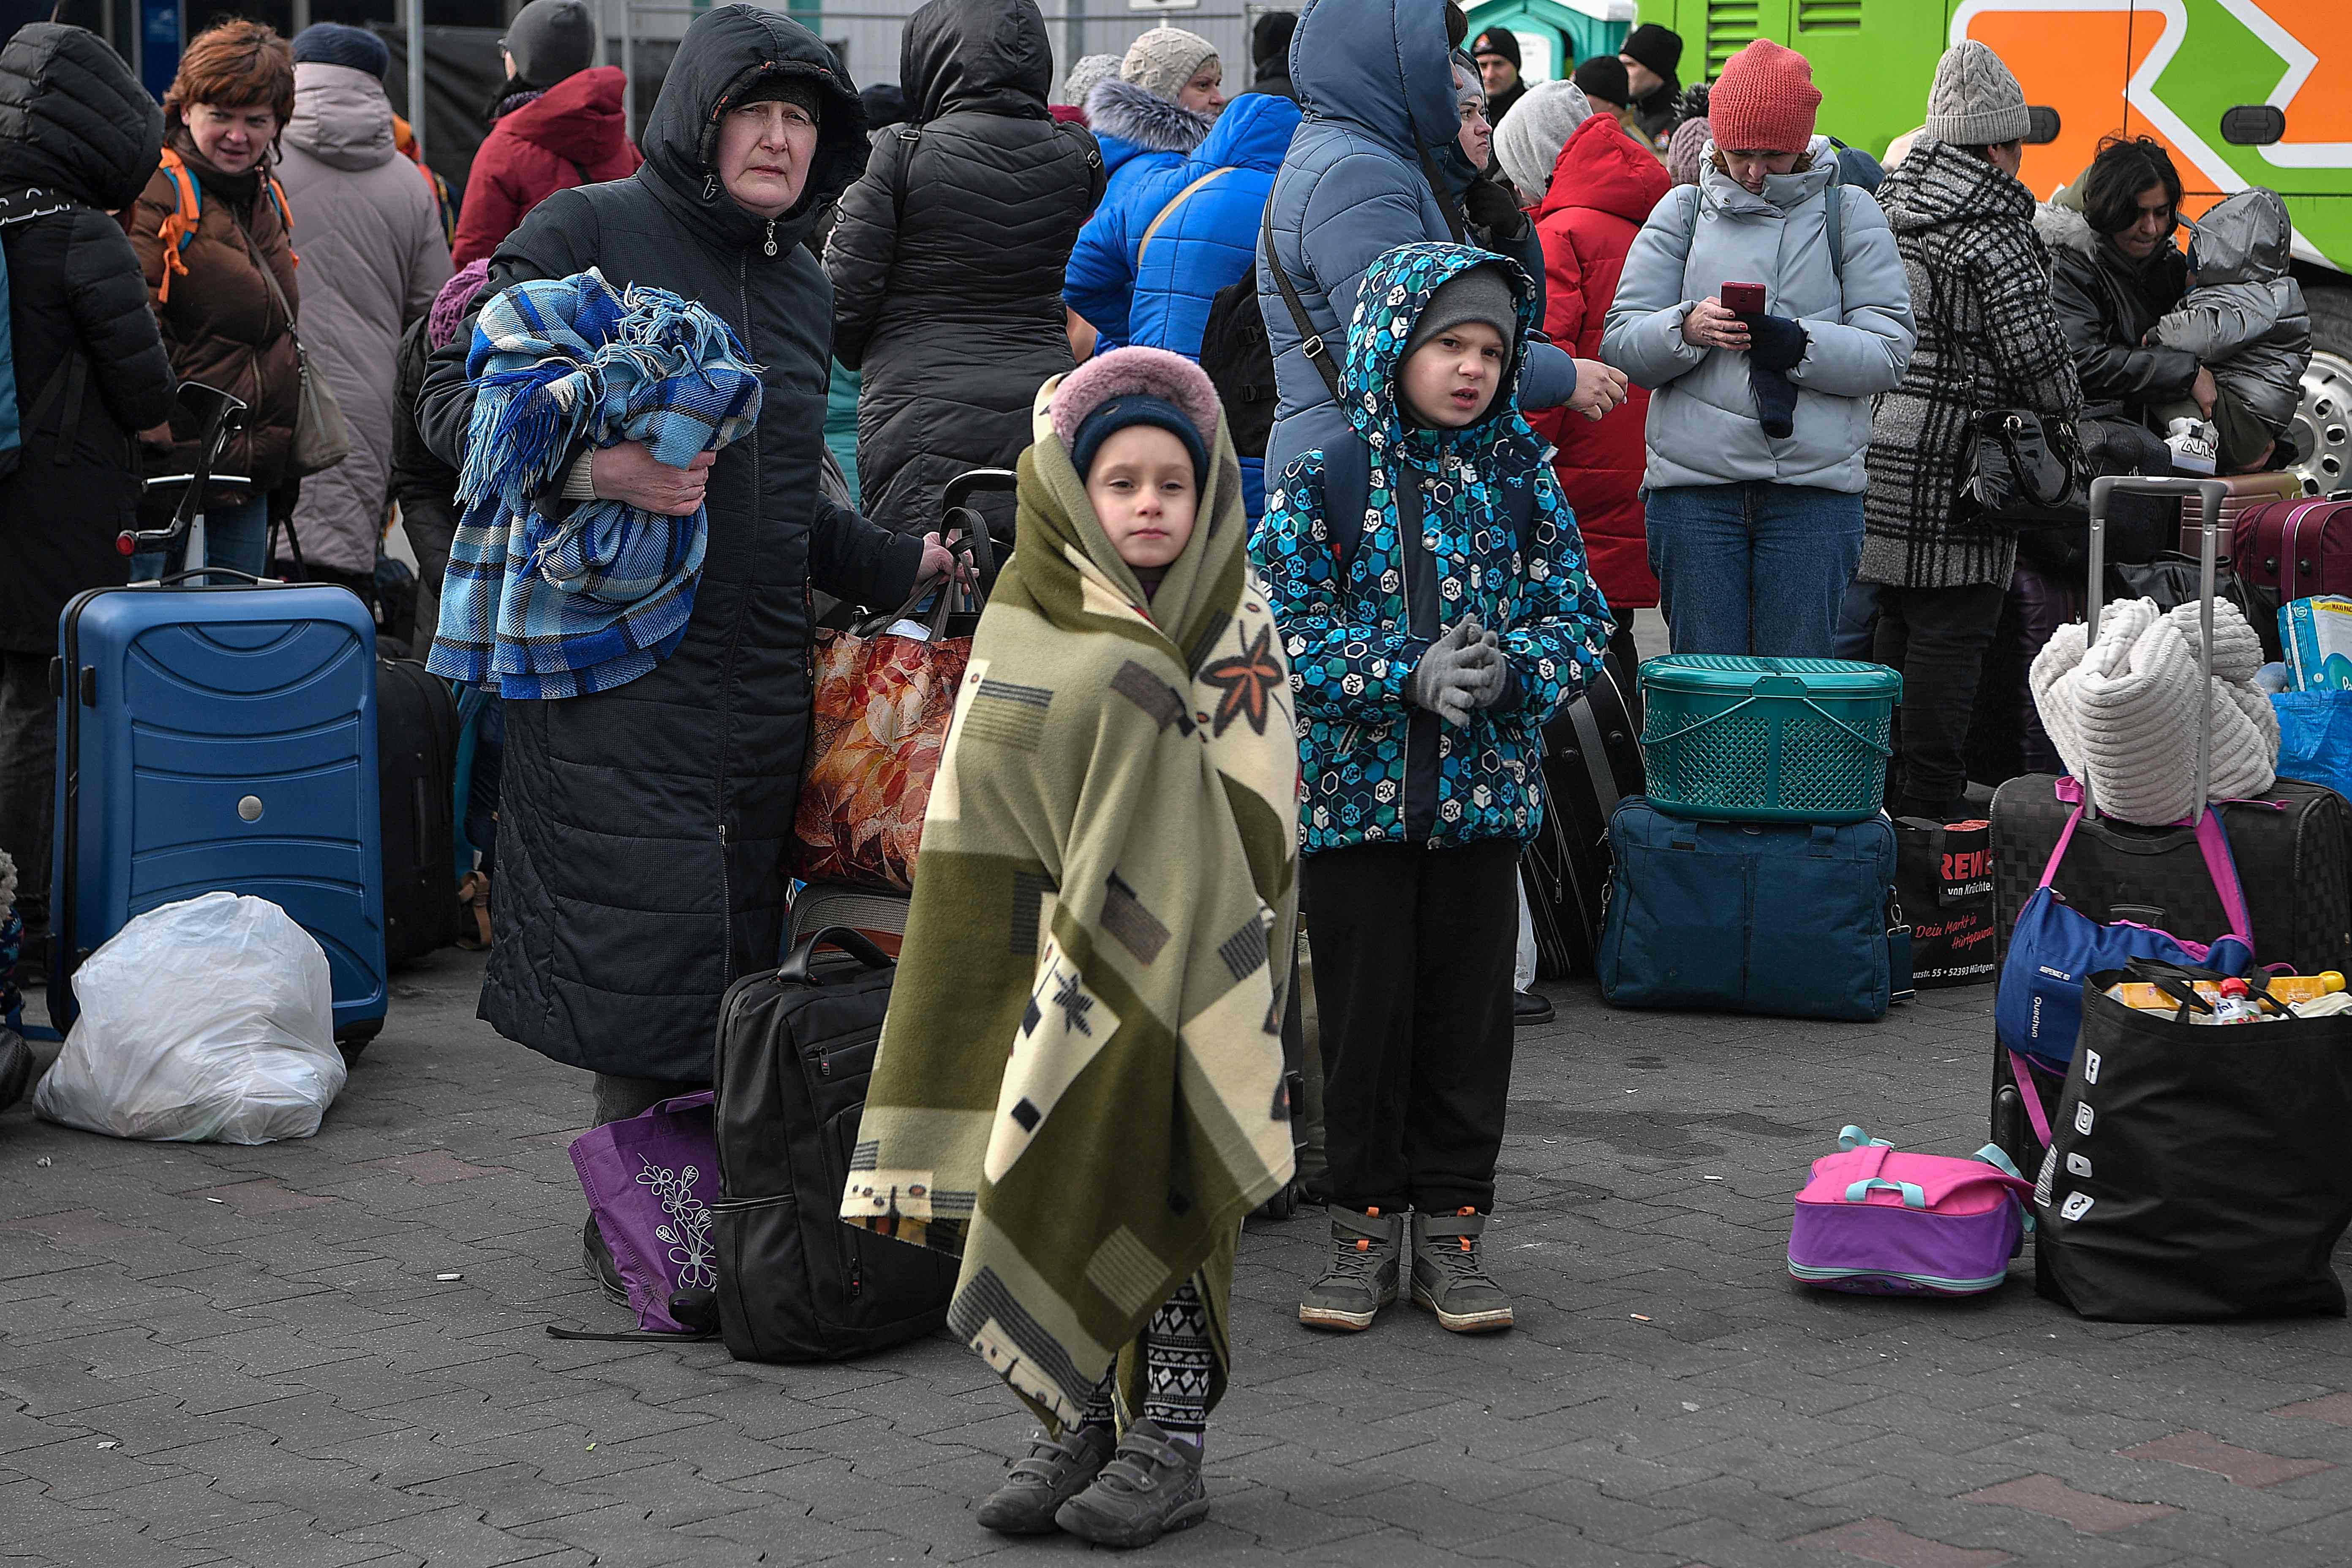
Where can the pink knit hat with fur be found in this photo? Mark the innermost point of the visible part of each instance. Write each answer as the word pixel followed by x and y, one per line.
pixel 1136 372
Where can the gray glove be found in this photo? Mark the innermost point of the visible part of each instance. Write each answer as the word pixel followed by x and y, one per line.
pixel 1491 673
pixel 1447 677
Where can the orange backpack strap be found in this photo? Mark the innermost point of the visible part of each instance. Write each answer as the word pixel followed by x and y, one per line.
pixel 180 224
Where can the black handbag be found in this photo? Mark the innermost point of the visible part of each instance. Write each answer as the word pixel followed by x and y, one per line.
pixel 2022 472
pixel 2196 1173
pixel 796 1047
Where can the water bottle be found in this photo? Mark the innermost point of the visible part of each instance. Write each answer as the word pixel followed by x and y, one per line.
pixel 2236 1004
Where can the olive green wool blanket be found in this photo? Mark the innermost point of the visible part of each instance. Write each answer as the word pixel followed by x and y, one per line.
pixel 1080 1083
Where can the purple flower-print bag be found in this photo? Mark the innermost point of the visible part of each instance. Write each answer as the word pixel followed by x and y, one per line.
pixel 649 1180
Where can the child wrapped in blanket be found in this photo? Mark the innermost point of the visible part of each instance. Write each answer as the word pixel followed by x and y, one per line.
pixel 2245 319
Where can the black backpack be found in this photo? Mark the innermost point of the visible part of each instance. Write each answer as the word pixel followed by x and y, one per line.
pixel 796 1047
pixel 1240 362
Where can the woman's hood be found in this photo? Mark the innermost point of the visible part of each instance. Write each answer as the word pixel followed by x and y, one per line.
pixel 2063 228
pixel 1125 121
pixel 73 118
pixel 992 56
pixel 1781 193
pixel 1383 65
pixel 2243 240
pixel 1391 300
pixel 1937 184
pixel 341 117
pixel 1602 168
pixel 1253 133
pixel 725 53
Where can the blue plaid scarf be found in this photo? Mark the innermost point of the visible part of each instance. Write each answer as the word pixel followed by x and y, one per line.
pixel 542 606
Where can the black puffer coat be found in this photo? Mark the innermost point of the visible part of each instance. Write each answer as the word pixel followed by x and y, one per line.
pixel 2106 303
pixel 643 832
pixel 947 258
pixel 75 125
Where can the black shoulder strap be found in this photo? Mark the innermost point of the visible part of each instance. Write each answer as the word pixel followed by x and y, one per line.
pixel 1445 203
pixel 1311 342
pixel 908 135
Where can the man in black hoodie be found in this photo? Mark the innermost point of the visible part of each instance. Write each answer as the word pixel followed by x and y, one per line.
pixel 1270 54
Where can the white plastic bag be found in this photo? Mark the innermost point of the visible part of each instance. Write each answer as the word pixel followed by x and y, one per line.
pixel 211 1019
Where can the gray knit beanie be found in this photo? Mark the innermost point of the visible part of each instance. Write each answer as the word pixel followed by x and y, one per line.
pixel 1975 102
pixel 1481 294
pixel 1163 59
pixel 1091 69
pixel 1528 141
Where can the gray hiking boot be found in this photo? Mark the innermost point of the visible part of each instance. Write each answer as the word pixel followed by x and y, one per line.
pixel 1448 1277
pixel 1361 1276
pixel 1057 1469
pixel 1151 1486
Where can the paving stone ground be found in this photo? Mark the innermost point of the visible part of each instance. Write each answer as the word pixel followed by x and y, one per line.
pixel 215 1355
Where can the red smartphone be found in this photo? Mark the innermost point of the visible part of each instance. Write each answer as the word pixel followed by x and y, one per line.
pixel 1745 299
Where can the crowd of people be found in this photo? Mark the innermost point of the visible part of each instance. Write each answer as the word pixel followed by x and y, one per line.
pixel 1359 398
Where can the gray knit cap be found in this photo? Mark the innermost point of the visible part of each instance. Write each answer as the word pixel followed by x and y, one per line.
pixel 1481 294
pixel 1163 59
pixel 1975 102
pixel 1091 69
pixel 1528 141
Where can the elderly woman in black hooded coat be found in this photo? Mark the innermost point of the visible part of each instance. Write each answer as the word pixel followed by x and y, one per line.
pixel 947 258
pixel 643 831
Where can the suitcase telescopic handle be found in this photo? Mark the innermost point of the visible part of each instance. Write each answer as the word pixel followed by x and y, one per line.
pixel 223 412
pixel 795 970
pixel 2210 493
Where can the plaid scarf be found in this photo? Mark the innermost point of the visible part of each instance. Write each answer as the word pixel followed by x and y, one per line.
pixel 539 606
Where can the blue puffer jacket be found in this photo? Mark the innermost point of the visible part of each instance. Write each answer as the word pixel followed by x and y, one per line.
pixel 1375 768
pixel 1208 238
pixel 1144 141
pixel 1376 81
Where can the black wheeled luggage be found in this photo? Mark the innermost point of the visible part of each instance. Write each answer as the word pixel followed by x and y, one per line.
pixel 417 762
pixel 796 1047
pixel 1592 759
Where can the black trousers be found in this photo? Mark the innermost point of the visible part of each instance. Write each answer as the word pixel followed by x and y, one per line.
pixel 1413 951
pixel 1937 637
pixel 28 754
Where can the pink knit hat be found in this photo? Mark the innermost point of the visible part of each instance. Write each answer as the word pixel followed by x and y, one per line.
pixel 1136 372
pixel 1764 101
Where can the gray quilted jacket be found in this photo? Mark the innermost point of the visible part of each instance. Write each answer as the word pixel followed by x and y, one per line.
pixel 1703 427
pixel 2244 318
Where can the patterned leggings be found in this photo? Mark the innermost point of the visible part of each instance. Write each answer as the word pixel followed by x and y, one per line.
pixel 1178 1360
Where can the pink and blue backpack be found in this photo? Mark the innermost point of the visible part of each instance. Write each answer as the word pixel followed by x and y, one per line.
pixel 1879 1222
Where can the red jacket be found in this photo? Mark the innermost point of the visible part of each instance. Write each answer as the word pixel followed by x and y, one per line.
pixel 1601 191
pixel 540 149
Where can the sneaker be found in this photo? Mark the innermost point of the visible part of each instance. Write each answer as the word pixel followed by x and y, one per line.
pixel 1361 1278
pixel 1527 1008
pixel 1449 1279
pixel 600 1267
pixel 1151 1486
pixel 1057 1469
pixel 2196 445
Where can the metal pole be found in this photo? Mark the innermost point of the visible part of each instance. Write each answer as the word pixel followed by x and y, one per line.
pixel 417 116
pixel 1077 43
pixel 628 69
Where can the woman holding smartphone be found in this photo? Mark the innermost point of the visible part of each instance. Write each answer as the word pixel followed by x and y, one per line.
pixel 1763 308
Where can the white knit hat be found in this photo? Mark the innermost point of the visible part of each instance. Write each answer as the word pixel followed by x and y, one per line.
pixel 1163 59
pixel 1975 102
pixel 1091 69
pixel 1528 141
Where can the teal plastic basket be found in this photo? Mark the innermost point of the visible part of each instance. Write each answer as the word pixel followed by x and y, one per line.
pixel 1734 739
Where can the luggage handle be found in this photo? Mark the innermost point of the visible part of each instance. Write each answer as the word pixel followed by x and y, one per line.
pixel 795 970
pixel 2212 844
pixel 2210 494
pixel 1914 1196
pixel 174 579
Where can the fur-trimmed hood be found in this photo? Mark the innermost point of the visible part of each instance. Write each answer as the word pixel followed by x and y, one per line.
pixel 1127 120
pixel 2065 228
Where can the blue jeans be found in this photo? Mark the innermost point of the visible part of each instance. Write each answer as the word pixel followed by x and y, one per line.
pixel 1857 628
pixel 236 536
pixel 1753 568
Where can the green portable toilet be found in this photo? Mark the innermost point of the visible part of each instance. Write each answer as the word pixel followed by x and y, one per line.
pixel 1555 34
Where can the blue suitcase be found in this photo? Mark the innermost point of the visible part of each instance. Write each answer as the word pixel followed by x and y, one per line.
pixel 1796 921
pixel 221 737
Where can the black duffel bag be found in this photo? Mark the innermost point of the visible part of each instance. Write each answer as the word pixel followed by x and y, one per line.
pixel 2196 1171
pixel 796 1047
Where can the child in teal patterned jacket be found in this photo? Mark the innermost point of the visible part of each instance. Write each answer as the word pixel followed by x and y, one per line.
pixel 1432 588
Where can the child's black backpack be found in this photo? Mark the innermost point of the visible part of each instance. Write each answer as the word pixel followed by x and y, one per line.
pixel 1240 362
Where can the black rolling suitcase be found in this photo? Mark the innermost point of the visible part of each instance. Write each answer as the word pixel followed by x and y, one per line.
pixel 416 760
pixel 796 1047
pixel 1592 759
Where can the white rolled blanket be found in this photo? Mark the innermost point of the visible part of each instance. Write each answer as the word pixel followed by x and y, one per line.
pixel 2123 711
